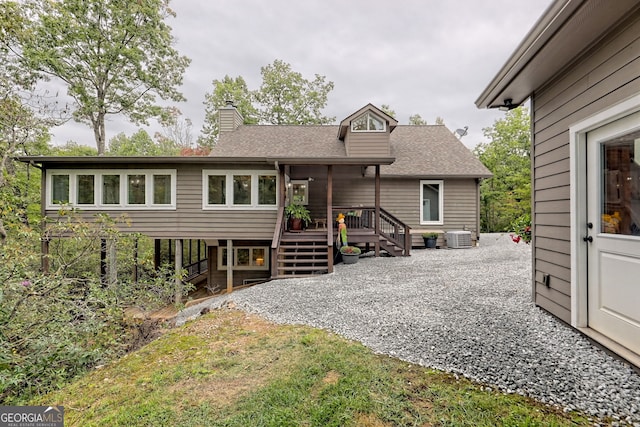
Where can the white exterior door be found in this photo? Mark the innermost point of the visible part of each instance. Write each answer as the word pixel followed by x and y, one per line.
pixel 613 213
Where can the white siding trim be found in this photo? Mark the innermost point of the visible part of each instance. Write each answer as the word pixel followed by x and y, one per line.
pixel 578 193
pixel 440 183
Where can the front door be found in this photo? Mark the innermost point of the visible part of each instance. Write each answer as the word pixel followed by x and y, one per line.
pixel 613 215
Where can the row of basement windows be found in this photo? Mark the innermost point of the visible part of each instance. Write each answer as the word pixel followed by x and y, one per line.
pixel 156 189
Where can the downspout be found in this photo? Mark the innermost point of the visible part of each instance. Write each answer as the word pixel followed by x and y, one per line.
pixel 533 202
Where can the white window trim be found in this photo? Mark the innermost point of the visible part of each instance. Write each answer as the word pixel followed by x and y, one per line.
pixel 440 201
pixel 367 114
pixel 228 174
pixel 264 266
pixel 97 190
pixel 578 194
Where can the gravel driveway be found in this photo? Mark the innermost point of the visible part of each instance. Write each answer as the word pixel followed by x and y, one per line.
pixel 467 311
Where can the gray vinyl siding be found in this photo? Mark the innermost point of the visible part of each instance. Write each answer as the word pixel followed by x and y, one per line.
pixel 400 197
pixel 367 144
pixel 605 75
pixel 189 220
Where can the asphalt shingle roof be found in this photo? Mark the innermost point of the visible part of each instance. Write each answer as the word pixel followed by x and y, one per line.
pixel 420 151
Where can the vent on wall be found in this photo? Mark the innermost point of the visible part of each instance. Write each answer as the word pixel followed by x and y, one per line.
pixel 458 239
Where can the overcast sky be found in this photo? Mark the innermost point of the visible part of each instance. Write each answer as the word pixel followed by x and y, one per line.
pixel 425 57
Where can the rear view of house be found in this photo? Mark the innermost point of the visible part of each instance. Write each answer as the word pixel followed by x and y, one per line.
pixel 391 183
pixel 580 68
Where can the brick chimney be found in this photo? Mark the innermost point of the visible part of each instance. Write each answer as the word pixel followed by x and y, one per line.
pixel 230 118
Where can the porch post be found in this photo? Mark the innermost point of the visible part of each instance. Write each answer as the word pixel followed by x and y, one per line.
pixel 157 249
pixel 178 271
pixel 330 218
pixel 377 216
pixel 229 266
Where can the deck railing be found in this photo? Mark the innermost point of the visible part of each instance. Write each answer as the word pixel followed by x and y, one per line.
pixel 388 226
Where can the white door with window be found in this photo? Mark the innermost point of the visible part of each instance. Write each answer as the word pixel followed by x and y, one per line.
pixel 613 230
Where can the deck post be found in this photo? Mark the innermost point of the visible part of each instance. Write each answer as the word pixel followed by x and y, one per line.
pixel 229 266
pixel 377 215
pixel 178 264
pixel 330 218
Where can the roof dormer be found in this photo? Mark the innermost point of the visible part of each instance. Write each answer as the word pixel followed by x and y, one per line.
pixel 367 131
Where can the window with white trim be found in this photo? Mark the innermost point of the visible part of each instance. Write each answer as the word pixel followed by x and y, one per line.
pixel 239 189
pixel 244 258
pixel 112 189
pixel 431 202
pixel 368 122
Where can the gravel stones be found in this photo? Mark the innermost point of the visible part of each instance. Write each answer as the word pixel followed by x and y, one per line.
pixel 467 311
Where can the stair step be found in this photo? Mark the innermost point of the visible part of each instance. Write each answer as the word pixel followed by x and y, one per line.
pixel 307 268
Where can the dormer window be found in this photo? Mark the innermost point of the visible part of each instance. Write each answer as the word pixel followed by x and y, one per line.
pixel 368 123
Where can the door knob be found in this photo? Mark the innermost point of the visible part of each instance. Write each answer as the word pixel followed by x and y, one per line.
pixel 588 239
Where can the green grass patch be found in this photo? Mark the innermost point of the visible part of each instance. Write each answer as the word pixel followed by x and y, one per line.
pixel 229 368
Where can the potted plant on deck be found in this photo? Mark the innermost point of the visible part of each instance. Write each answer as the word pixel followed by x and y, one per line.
pixel 298 216
pixel 350 254
pixel 430 240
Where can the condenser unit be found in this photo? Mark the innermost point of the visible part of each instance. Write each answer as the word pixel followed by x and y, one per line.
pixel 458 239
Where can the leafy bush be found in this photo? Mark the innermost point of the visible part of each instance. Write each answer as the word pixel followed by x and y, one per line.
pixel 521 229
pixel 56 326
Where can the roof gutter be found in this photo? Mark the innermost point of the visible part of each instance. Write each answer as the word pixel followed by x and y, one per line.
pixel 129 160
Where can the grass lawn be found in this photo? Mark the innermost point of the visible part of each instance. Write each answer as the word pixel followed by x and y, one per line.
pixel 229 368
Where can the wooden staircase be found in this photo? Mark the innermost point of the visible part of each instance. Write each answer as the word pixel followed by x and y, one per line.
pixel 302 254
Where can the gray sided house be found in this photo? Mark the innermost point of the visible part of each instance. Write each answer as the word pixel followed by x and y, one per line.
pixel 391 182
pixel 580 68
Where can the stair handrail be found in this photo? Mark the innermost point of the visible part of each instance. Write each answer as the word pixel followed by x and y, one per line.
pixel 400 228
pixel 275 240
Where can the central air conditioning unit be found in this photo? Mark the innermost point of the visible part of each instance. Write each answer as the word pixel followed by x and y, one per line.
pixel 458 239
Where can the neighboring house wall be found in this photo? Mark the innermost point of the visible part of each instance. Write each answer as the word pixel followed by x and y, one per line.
pixel 189 220
pixel 607 74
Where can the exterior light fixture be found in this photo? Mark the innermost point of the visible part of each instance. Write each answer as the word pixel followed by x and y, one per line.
pixel 508 105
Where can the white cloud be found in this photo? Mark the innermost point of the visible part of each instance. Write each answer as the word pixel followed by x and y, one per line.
pixel 419 56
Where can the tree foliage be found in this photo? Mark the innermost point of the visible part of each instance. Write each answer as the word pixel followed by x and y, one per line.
pixel 141 144
pixel 417 120
pixel 507 195
pixel 228 89
pixel 285 97
pixel 115 57
pixel 388 110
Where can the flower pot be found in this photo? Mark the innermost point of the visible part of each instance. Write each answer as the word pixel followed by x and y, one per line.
pixel 430 242
pixel 350 258
pixel 296 223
